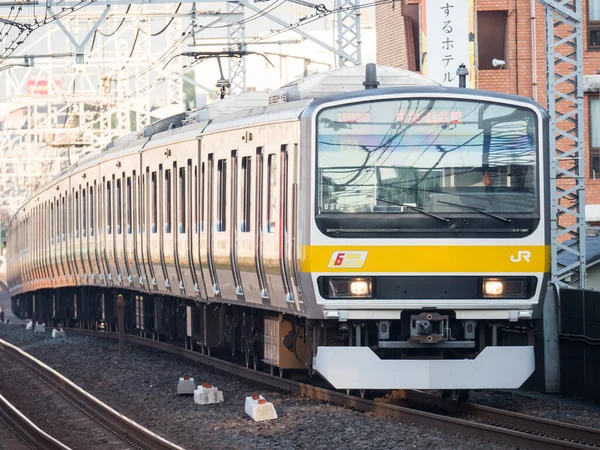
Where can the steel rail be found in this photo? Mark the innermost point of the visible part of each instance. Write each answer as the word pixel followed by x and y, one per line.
pixel 123 427
pixel 379 408
pixel 518 421
pixel 25 429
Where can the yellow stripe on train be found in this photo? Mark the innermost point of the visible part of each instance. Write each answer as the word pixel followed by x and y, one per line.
pixel 501 259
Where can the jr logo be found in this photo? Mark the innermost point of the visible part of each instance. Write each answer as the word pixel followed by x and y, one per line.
pixel 347 259
pixel 521 255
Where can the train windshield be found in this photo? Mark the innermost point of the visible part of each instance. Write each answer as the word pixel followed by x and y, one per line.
pixel 429 158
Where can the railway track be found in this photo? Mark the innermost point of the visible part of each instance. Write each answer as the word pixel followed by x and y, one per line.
pixel 127 434
pixel 18 432
pixel 486 423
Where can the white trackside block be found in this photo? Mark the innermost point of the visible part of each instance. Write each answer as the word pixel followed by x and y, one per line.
pixel 186 386
pixel 259 409
pixel 29 325
pixel 39 328
pixel 361 368
pixel 207 394
pixel 58 333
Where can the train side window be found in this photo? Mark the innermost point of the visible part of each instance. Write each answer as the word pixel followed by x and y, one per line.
pixel 246 192
pixel 129 205
pixel 52 223
pixel 59 218
pixel 202 190
pixel 168 201
pixel 77 216
pixel 92 218
pixel 182 205
pixel 272 193
pixel 195 203
pixel 154 201
pixel 118 205
pixel 64 214
pixel 84 211
pixel 222 195
pixel 108 207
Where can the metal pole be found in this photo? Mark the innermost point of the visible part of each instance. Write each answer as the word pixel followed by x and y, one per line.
pixel 121 320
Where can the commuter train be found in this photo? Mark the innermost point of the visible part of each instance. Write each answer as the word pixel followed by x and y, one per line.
pixel 365 224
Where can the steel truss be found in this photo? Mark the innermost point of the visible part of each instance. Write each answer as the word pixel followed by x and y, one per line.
pixel 348 32
pixel 564 58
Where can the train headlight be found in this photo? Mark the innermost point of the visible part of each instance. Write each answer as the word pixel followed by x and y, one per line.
pixel 504 288
pixel 350 288
pixel 492 288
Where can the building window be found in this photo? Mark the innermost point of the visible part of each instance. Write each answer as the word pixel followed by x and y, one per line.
pixel 593 24
pixel 594 127
pixel 491 38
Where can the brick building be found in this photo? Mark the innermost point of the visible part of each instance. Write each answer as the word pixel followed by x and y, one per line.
pixel 512 31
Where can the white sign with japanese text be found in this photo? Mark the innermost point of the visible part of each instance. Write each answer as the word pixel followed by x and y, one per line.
pixel 447 23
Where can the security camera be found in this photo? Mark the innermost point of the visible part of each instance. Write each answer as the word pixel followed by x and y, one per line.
pixel 498 62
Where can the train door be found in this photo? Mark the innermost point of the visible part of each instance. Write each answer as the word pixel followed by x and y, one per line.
pixel 64 237
pixel 186 154
pixel 205 179
pixel 106 226
pixel 221 201
pixel 124 220
pixel 94 230
pixel 140 228
pixel 155 171
pixel 131 166
pixel 248 262
pixel 60 281
pixel 110 217
pixel 148 225
pixel 136 205
pixel 196 214
pixel 85 230
pixel 277 238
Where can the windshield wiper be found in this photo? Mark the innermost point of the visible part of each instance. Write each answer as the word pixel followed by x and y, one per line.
pixel 479 210
pixel 443 219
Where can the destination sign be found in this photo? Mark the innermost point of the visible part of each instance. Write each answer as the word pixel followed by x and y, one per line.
pixel 431 118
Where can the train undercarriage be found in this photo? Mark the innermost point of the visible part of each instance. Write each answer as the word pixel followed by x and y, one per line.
pixel 280 343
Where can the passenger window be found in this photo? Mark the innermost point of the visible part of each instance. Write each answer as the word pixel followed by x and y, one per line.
pixel 64 221
pixel 168 201
pixel 52 223
pixel 154 201
pixel 182 200
pixel 202 190
pixel 271 194
pixel 195 203
pixel 77 215
pixel 84 209
pixel 222 195
pixel 58 220
pixel 129 206
pixel 246 192
pixel 119 211
pixel 92 219
pixel 108 207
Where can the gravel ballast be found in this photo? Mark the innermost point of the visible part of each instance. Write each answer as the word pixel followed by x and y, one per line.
pixel 142 385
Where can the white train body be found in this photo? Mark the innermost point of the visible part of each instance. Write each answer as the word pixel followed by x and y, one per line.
pixel 351 222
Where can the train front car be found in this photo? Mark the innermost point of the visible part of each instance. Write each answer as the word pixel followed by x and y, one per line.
pixel 426 239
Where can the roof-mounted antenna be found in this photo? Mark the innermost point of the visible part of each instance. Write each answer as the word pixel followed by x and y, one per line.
pixel 371 77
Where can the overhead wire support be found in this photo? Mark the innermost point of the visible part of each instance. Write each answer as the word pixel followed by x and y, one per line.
pixel 564 56
pixel 348 32
pixel 236 38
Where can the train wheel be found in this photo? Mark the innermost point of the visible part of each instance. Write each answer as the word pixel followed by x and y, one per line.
pixel 463 395
pixel 447 393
